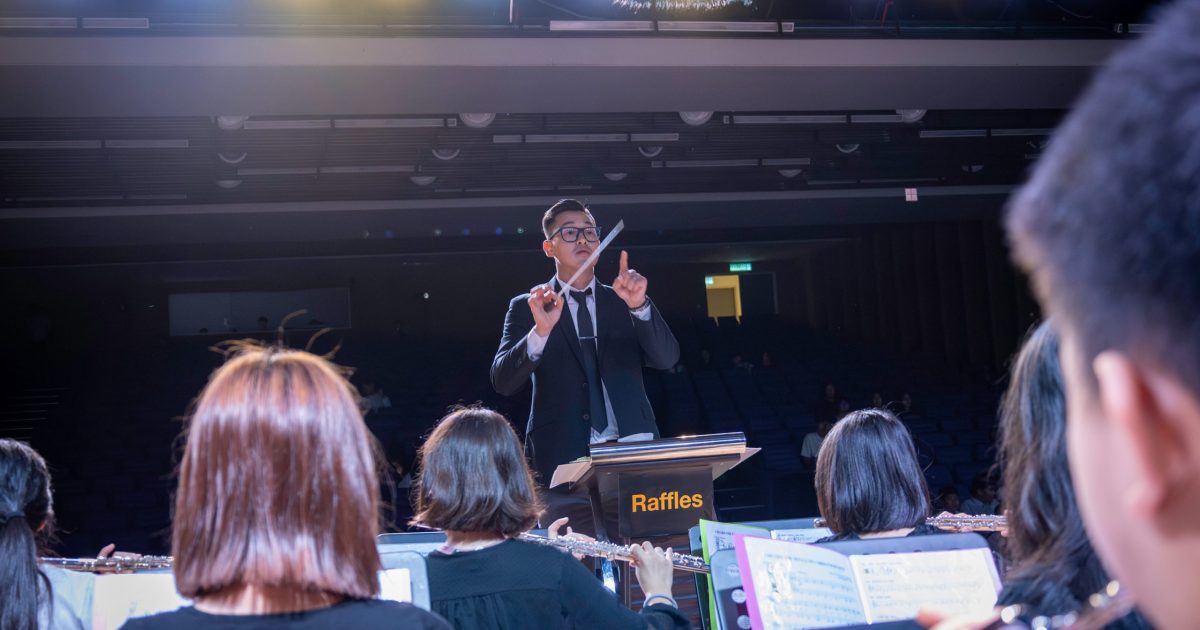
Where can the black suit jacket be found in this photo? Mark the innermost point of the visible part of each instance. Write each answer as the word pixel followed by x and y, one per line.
pixel 557 432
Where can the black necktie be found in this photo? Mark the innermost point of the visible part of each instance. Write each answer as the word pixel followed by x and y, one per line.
pixel 591 362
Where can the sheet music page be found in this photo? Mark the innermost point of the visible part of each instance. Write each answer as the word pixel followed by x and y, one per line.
pixel 396 585
pixel 791 586
pixel 570 472
pixel 807 535
pixel 120 597
pixel 895 585
pixel 716 536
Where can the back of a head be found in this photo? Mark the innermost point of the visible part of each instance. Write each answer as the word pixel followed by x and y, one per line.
pixel 278 485
pixel 474 477
pixel 1047 543
pixel 25 506
pixel 868 479
pixel 1107 223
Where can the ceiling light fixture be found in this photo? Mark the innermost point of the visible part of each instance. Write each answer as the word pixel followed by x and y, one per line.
pixel 651 151
pixel 679 5
pixel 477 121
pixel 231 123
pixel 695 119
pixel 445 154
pixel 232 158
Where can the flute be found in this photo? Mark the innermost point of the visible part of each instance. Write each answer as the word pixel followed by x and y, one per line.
pixel 983 523
pixel 613 551
pixel 114 564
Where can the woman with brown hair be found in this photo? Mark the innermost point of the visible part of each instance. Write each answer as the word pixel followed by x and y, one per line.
pixel 475 484
pixel 278 503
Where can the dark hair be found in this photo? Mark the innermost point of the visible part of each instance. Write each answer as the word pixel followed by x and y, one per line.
pixel 474 476
pixel 278 484
pixel 868 479
pixel 25 508
pixel 1054 567
pixel 561 206
pixel 1108 222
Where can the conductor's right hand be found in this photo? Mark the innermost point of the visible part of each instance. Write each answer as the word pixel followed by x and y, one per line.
pixel 546 306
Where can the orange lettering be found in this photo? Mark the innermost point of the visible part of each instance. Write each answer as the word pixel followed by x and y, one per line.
pixel 639 502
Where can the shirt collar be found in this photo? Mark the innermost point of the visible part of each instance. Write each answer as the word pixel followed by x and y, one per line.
pixel 591 285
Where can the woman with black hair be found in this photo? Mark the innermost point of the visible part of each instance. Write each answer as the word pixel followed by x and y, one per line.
pixel 475 485
pixel 1053 566
pixel 868 482
pixel 27 600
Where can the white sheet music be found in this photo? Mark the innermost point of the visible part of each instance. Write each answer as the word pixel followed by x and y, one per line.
pixel 125 596
pixel 798 586
pixel 896 585
pixel 396 585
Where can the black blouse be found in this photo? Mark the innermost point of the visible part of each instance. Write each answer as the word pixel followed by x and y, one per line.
pixel 521 585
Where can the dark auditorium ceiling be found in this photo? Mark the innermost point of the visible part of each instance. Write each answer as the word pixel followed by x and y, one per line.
pixel 923 18
pixel 55 162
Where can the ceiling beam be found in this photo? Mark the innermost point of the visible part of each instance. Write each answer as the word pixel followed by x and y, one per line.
pixel 207 76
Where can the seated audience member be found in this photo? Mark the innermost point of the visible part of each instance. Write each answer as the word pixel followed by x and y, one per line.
pixel 826 408
pixel 1109 229
pixel 868 482
pixel 906 410
pixel 32 597
pixel 948 500
pixel 475 484
pixel 811 446
pixel 877 400
pixel 982 501
pixel 277 506
pixel 1053 568
pixel 373 398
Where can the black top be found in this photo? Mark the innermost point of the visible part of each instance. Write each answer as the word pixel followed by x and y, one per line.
pixel 369 614
pixel 560 423
pixel 919 530
pixel 522 585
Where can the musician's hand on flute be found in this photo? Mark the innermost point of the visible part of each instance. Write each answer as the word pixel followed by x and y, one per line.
pixel 110 551
pixel 552 532
pixel 630 285
pixel 655 572
pixel 546 306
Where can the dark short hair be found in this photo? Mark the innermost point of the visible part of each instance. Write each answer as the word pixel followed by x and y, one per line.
pixel 561 206
pixel 279 481
pixel 867 478
pixel 1108 222
pixel 26 520
pixel 1047 543
pixel 474 476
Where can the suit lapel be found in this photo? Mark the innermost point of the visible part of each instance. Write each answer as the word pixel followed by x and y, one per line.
pixel 566 325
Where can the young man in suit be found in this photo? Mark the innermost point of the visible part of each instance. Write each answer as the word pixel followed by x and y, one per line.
pixel 583 348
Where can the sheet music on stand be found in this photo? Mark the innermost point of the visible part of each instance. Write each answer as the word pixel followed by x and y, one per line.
pixel 791 586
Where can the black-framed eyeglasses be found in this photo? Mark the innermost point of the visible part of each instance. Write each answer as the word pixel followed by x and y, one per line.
pixel 571 234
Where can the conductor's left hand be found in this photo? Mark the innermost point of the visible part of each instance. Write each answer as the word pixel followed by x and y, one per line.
pixel 630 285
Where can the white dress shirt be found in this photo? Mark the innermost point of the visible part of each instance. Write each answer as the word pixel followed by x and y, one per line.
pixel 535 344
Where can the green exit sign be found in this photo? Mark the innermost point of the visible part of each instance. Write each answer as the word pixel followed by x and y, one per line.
pixel 736 267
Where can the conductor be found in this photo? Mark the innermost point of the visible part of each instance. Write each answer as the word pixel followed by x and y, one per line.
pixel 584 348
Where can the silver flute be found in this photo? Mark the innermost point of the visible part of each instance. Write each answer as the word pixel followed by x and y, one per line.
pixel 613 551
pixel 985 523
pixel 110 565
